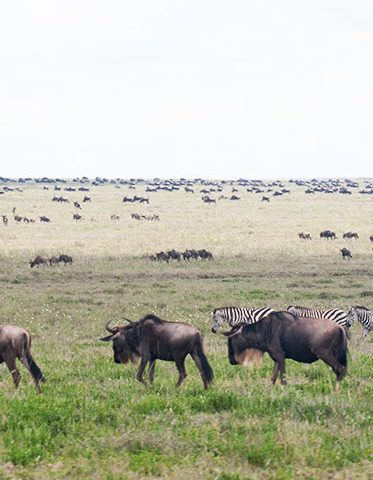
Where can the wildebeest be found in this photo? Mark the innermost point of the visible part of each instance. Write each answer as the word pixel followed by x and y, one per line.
pixel 265 198
pixel 15 342
pixel 371 238
pixel 38 260
pixel 65 259
pixel 284 335
pixel 5 219
pixel 304 236
pixel 152 338
pixel 328 234
pixel 77 205
pixel 77 217
pixel 43 218
pixel 115 216
pixel 346 253
pixel 53 261
pixel 87 198
pixel 351 235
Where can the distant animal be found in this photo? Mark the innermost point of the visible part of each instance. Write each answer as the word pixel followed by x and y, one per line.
pixel 265 198
pixel 351 235
pixel 151 339
pixel 77 217
pixel 346 253
pixel 5 219
pixel 328 234
pixel 283 336
pixel 39 260
pixel 234 316
pixel 87 198
pixel 18 218
pixel 115 216
pixel 15 342
pixel 53 261
pixel 77 205
pixel 65 259
pixel 363 316
pixel 44 219
pixel 234 197
pixel 371 238
pixel 304 236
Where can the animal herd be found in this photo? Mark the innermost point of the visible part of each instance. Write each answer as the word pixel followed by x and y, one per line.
pixel 189 254
pixel 40 260
pixel 301 334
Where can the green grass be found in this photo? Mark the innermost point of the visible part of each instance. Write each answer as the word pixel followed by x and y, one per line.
pixel 94 420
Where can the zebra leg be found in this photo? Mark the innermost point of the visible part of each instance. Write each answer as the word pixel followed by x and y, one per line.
pixel 364 335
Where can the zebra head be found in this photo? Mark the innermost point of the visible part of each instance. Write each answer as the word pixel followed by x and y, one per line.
pixel 352 316
pixel 293 310
pixel 218 318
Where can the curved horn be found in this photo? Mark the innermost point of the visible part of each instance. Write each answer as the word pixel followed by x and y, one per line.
pixel 128 320
pixel 111 330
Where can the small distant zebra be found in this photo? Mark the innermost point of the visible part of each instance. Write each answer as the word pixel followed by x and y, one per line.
pixel 335 314
pixel 362 315
pixel 235 316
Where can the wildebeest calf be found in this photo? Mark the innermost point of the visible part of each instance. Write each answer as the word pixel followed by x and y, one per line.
pixel 284 335
pixel 15 342
pixel 151 339
pixel 346 253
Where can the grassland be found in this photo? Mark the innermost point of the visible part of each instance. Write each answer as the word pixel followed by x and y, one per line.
pixel 94 420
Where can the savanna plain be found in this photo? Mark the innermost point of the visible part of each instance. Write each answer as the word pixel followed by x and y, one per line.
pixel 93 419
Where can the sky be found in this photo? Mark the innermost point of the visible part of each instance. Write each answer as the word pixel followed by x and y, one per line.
pixel 186 88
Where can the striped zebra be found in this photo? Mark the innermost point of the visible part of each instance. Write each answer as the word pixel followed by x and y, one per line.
pixel 235 316
pixel 362 315
pixel 335 314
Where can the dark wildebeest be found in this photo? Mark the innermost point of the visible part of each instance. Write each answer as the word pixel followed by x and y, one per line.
pixel 77 217
pixel 5 219
pixel 53 261
pixel 304 236
pixel 77 205
pixel 328 234
pixel 346 253
pixel 153 339
pixel 371 238
pixel 65 259
pixel 44 219
pixel 15 343
pixel 18 218
pixel 265 198
pixel 38 260
pixel 284 335
pixel 351 235
pixel 87 198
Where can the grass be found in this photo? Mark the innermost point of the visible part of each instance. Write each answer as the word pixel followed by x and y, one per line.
pixel 94 420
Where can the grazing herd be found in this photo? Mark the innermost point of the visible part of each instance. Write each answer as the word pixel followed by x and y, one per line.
pixel 40 260
pixel 186 255
pixel 300 333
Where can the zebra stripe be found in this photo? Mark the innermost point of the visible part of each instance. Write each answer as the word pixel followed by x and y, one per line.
pixel 363 316
pixel 336 314
pixel 237 315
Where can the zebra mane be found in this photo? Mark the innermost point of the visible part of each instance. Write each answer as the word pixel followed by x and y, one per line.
pixel 360 307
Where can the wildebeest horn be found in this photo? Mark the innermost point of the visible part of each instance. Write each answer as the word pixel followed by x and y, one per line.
pixel 128 320
pixel 232 334
pixel 111 330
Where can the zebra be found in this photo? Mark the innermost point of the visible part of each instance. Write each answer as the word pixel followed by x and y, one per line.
pixel 362 315
pixel 237 315
pixel 336 314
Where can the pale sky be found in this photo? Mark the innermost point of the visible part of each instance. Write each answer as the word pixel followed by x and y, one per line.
pixel 193 88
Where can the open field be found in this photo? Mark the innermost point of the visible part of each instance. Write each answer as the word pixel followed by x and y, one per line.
pixel 94 420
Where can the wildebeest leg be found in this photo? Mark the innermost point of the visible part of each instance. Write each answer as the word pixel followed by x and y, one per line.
pixel 151 369
pixel 338 368
pixel 12 367
pixel 181 368
pixel 274 373
pixel 140 371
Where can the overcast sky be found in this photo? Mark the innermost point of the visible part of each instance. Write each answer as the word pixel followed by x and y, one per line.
pixel 170 88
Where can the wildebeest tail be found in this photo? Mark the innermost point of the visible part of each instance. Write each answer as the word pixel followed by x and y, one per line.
pixel 204 364
pixel 34 369
pixel 342 348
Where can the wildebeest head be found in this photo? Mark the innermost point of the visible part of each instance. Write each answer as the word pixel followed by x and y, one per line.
pixel 123 345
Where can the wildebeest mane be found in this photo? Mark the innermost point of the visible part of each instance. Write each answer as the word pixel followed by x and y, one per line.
pixel 150 316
